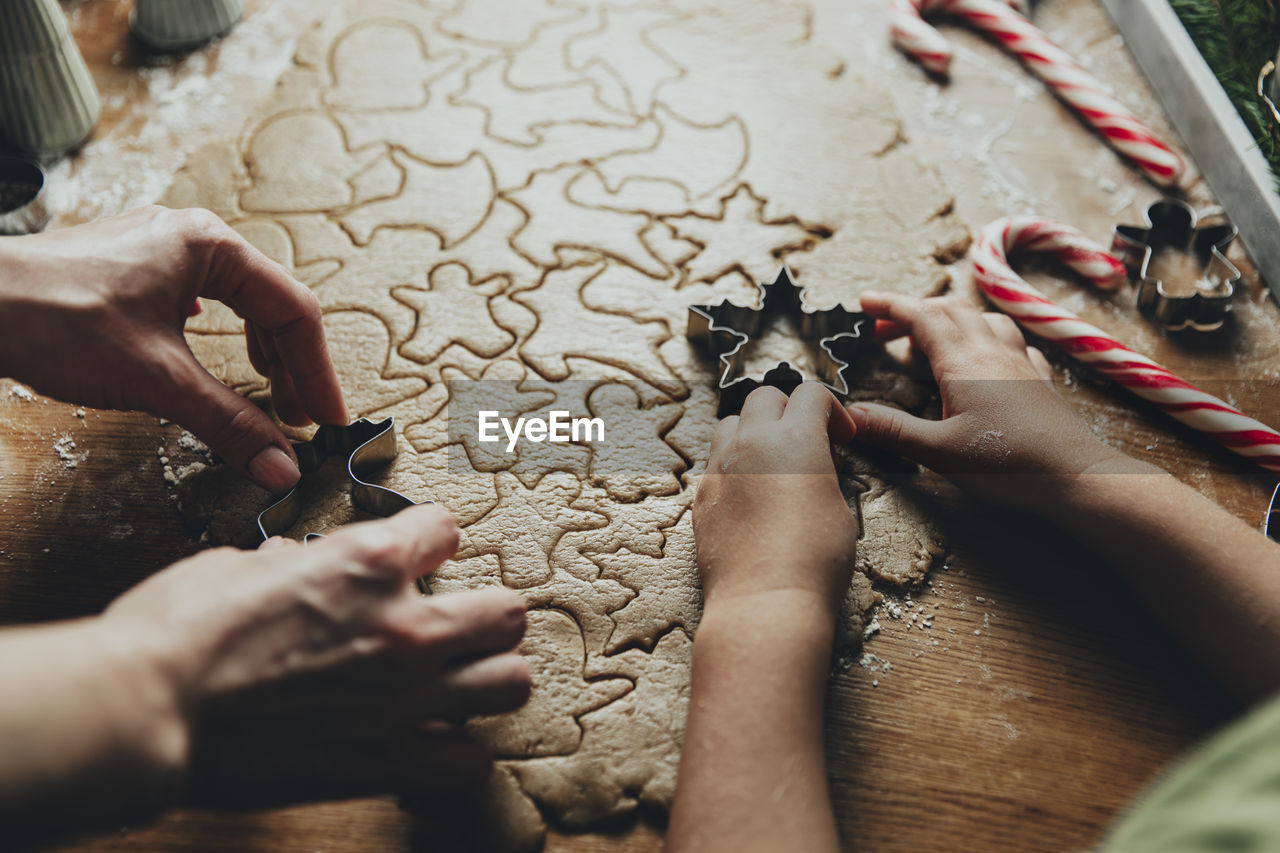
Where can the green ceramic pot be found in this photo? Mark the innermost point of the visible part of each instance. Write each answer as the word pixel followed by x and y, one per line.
pixel 176 25
pixel 48 103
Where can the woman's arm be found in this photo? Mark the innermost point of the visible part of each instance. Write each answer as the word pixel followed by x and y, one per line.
pixel 238 679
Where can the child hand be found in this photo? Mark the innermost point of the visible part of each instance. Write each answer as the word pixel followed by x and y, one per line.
pixel 769 515
pixel 1000 414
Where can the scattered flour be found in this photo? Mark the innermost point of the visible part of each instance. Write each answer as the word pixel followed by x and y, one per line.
pixel 65 448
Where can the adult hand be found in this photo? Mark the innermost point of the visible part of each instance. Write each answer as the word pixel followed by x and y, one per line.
pixel 320 672
pixel 94 315
pixel 769 514
pixel 1005 434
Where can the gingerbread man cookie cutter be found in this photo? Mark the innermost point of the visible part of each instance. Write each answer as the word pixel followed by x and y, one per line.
pixel 367 446
pixel 1171 226
pixel 725 329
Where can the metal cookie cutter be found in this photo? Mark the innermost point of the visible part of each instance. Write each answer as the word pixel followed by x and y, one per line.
pixel 1171 227
pixel 1271 521
pixel 725 329
pixel 367 446
pixel 22 207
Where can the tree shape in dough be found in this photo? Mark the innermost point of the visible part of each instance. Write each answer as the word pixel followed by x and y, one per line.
pixel 741 238
pixel 666 593
pixel 525 526
pixel 548 724
pixel 506 388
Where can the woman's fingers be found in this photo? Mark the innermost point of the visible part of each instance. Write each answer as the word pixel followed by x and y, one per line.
pixel 266 360
pixel 284 310
pixel 1005 330
pixel 490 685
pixel 443 631
pixel 440 758
pixel 406 546
pixel 232 426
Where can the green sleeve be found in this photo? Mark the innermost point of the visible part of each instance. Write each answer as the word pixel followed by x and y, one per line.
pixel 1225 795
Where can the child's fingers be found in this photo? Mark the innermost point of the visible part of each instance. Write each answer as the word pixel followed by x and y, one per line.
pixel 1041 364
pixel 895 430
pixel 724 433
pixel 968 319
pixel 1007 331
pixel 887 330
pixel 813 408
pixel 928 321
pixel 274 542
pixel 763 405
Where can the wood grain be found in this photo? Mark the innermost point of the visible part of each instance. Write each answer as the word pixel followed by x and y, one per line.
pixel 1048 701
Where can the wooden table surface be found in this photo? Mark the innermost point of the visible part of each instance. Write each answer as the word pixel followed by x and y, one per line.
pixel 1050 697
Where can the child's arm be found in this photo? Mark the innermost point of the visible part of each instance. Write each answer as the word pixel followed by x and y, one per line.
pixel 775 552
pixel 1009 438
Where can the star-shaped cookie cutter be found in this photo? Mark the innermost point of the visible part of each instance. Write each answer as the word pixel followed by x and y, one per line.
pixel 725 330
pixel 1171 225
pixel 367 446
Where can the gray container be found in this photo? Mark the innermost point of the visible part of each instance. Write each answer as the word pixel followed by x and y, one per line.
pixel 48 103
pixel 171 26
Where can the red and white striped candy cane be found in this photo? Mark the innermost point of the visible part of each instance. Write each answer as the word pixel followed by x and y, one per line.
pixel 1090 345
pixel 1077 87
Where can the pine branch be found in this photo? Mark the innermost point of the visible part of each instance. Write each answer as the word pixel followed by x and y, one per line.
pixel 1236 38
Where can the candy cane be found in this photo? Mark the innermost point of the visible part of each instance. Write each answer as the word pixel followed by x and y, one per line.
pixel 1090 345
pixel 1077 87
